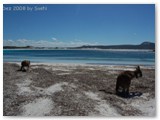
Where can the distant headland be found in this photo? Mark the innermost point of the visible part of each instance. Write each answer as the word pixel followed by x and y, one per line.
pixel 142 46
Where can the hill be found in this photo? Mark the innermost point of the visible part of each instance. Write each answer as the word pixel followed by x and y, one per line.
pixel 17 47
pixel 144 45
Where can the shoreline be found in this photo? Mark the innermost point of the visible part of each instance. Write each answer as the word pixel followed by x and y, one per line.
pixel 87 64
pixel 131 50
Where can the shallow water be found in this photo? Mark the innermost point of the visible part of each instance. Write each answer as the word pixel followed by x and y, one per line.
pixel 81 56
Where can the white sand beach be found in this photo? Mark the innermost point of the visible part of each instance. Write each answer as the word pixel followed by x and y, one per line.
pixel 73 90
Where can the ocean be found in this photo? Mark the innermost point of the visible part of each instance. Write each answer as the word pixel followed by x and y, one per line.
pixel 102 57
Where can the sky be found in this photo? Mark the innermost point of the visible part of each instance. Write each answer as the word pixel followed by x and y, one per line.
pixel 70 25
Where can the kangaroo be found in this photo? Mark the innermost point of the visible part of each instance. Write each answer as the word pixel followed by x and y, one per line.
pixel 124 80
pixel 25 63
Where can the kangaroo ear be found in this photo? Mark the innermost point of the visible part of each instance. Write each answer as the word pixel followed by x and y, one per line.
pixel 138 67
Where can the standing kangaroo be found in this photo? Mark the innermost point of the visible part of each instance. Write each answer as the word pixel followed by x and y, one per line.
pixel 124 80
pixel 25 63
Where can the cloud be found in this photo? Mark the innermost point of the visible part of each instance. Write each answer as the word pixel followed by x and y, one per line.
pixel 45 43
pixel 8 42
pixel 78 42
pixel 19 42
pixel 54 39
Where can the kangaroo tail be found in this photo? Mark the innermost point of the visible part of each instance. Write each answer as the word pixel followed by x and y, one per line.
pixel 117 87
pixel 20 69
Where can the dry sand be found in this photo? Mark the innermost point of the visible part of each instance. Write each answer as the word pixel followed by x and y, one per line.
pixel 73 90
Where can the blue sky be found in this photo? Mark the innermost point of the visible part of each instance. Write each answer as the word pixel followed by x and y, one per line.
pixel 77 24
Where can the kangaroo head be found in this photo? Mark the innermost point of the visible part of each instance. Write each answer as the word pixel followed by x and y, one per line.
pixel 138 72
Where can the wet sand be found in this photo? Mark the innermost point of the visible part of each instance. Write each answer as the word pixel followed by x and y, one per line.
pixel 74 90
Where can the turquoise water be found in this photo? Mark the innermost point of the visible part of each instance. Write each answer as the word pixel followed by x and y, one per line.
pixel 81 56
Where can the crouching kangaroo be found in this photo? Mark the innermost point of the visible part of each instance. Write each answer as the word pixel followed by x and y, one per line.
pixel 124 80
pixel 25 63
